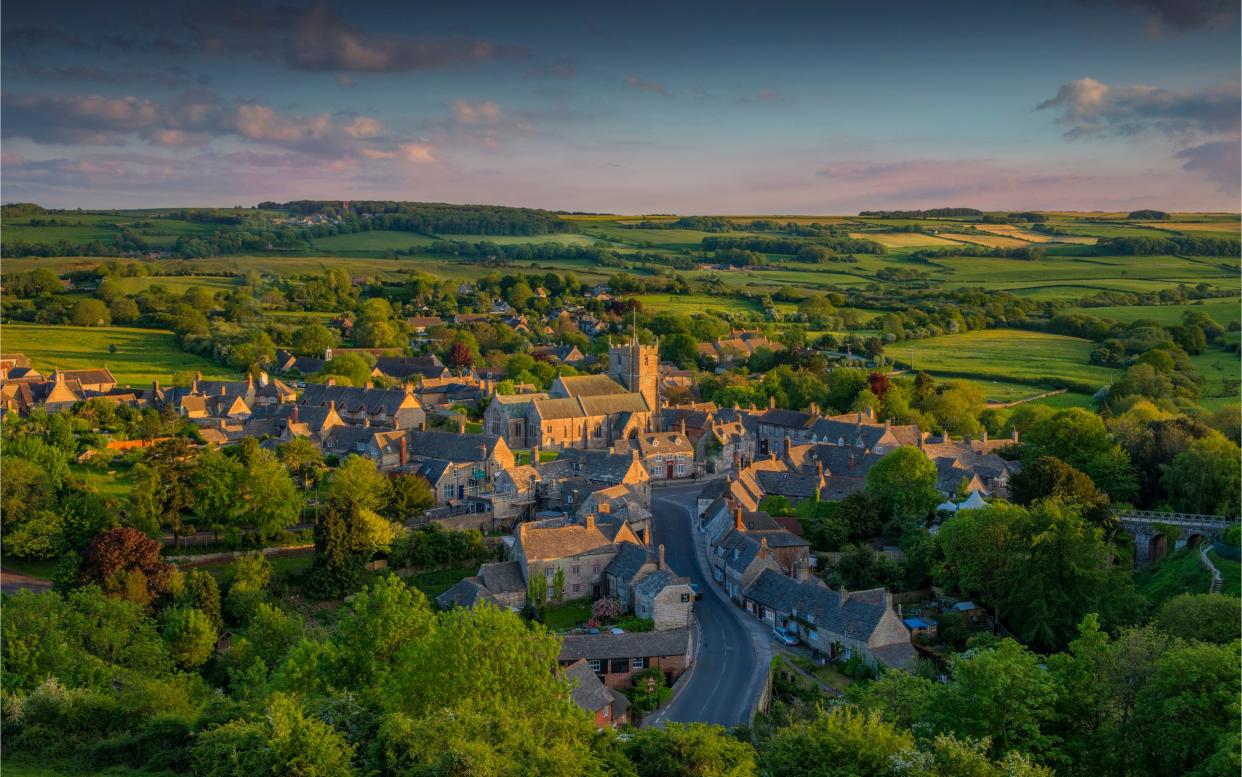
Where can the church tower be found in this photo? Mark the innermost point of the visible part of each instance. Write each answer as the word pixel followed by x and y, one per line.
pixel 637 367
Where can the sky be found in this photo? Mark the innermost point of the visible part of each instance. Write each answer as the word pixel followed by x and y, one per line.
pixel 728 107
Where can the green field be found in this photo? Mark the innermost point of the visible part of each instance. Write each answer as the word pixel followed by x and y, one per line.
pixel 177 284
pixel 142 355
pixel 1221 371
pixel 373 241
pixel 1012 355
pixel 696 303
pixel 568 238
pixel 1221 311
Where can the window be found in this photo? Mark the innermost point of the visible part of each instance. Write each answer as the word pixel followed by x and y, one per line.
pixel 577 587
pixel 685 598
pixel 681 468
pixel 549 572
pixel 574 569
pixel 448 490
pixel 596 665
pixel 595 569
pixel 638 663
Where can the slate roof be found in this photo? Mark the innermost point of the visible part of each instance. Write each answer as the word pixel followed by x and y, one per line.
pixel 355 398
pixel 673 642
pixel 502 577
pixel 596 465
pixel 557 538
pixel 856 619
pixel 792 484
pixel 713 490
pixel 92 376
pixel 652 584
pixel 467 592
pixel 793 419
pixel 405 367
pixel 516 405
pixel 588 692
pixel 451 446
pixel 590 385
pixel 629 560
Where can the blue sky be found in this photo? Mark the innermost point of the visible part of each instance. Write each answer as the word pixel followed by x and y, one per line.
pixel 726 107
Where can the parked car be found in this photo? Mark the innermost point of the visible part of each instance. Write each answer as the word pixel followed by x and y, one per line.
pixel 785 636
pixel 698 592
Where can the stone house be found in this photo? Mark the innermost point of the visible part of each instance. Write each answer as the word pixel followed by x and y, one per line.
pixel 580 550
pixel 836 624
pixel 664 598
pixel 616 658
pixel 609 708
pixel 666 455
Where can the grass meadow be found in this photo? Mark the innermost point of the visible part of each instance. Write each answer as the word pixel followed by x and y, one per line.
pixel 1010 355
pixel 142 355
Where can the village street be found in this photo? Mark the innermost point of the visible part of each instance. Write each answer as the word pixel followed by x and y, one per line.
pixel 733 652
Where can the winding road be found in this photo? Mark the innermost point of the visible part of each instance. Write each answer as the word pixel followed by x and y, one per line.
pixel 732 651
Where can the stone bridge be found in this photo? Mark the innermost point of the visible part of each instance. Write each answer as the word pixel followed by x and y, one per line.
pixel 1151 540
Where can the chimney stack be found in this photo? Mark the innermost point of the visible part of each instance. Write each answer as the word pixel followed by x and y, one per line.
pixel 737 519
pixel 293 414
pixel 605 507
pixel 590 521
pixel 888 424
pixel 198 375
pixel 819 468
pixel 660 557
pixel 772 403
pixel 901 612
pixel 683 426
pixel 845 594
pixel 788 443
pixel 814 408
pixel 405 449
pixel 1015 435
pixel 646 537
pixel 983 437
pixel 155 387
pixel 763 547
pixel 461 424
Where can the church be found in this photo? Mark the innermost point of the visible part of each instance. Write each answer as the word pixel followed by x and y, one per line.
pixel 584 411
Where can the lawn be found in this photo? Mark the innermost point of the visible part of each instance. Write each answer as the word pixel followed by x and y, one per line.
pixel 21 767
pixel 696 303
pixel 142 355
pixel 1008 355
pixel 1221 371
pixel 569 615
pixel 436 582
pixel 114 483
pixel 282 566
pixel 568 238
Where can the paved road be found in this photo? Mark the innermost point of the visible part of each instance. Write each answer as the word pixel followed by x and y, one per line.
pixel 729 671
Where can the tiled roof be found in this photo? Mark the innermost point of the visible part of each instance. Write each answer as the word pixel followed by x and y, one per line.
pixel 452 446
pixel 502 577
pixel 673 642
pixel 793 419
pixel 557 539
pixel 467 592
pixel 355 398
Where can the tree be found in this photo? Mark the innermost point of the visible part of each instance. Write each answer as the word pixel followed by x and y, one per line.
pixel 1048 476
pixel 1187 713
pixel 841 741
pixel 1079 438
pixel 90 312
pixel 1206 478
pixel 696 748
pixel 407 497
pixel 123 310
pixel 649 691
pixel 203 594
pixel 267 500
pixel 904 484
pixel 190 635
pixel 1203 617
pixel 284 740
pixel 558 586
pixel 460 356
pixel 125 562
pixel 313 340
pixel 303 459
pixel 214 482
pixel 353 367
pixel 1001 693
pixel 979 549
pixel 348 531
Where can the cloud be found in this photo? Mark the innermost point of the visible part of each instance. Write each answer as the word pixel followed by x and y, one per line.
pixel 196 118
pixel 1181 15
pixel 638 84
pixel 481 112
pixel 41 37
pixel 1091 107
pixel 1218 161
pixel 762 96
pixel 321 40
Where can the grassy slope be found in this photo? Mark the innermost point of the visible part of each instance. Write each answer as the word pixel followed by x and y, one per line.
pixel 1221 311
pixel 142 355
pixel 1007 354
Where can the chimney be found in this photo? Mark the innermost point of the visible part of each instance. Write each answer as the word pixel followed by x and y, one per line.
pixel 405 450
pixel 888 424
pixel 222 390
pixel 605 507
pixel 660 557
pixel 737 520
pixel 851 459
pixel 634 454
pixel 1015 435
pixel 801 572
pixel 901 612
pixel 788 444
pixel 293 414
pixel 922 438
pixel 646 537
pixel 683 426
pixel 772 455
pixel 366 422
pixel 250 380
pixel 198 375
pixel 870 413
pixel 819 468
pixel 422 425
pixel 331 405
pixel 763 547
pixel 845 594
pixel 984 436
pixel 461 424
pixel 858 422
pixel 590 521
pixel 772 403
pixel 330 382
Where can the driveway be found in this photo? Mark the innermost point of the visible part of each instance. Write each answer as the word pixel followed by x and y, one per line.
pixel 732 651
